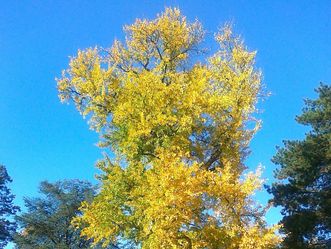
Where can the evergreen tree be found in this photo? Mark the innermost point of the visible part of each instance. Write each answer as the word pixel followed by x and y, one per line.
pixel 7 209
pixel 304 189
pixel 47 222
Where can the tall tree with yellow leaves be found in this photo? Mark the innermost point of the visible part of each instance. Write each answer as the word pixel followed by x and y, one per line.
pixel 179 127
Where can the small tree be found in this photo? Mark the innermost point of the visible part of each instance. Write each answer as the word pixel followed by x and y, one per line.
pixel 304 191
pixel 178 124
pixel 7 209
pixel 47 222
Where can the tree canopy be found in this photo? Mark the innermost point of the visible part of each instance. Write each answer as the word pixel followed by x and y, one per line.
pixel 47 222
pixel 7 208
pixel 179 122
pixel 304 189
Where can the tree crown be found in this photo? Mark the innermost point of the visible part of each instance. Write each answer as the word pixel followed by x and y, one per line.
pixel 181 127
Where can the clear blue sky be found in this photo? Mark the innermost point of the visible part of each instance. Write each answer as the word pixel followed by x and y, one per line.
pixel 40 138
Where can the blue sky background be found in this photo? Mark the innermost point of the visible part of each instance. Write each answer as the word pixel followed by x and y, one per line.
pixel 40 138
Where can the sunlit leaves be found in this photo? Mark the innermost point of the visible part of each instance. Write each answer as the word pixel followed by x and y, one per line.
pixel 179 130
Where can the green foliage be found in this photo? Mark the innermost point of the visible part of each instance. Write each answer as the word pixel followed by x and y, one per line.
pixel 304 191
pixel 7 209
pixel 47 222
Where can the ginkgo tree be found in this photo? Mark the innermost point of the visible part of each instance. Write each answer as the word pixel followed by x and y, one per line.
pixel 179 122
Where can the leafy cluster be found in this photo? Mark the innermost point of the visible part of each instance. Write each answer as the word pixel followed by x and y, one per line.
pixel 304 191
pixel 179 128
pixel 47 222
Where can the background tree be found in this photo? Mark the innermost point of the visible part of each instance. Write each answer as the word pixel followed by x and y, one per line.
pixel 179 125
pixel 304 191
pixel 7 209
pixel 46 223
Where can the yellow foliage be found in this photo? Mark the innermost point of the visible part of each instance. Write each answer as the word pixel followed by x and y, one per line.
pixel 181 127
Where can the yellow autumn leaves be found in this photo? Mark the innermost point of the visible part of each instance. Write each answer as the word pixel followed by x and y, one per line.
pixel 178 123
